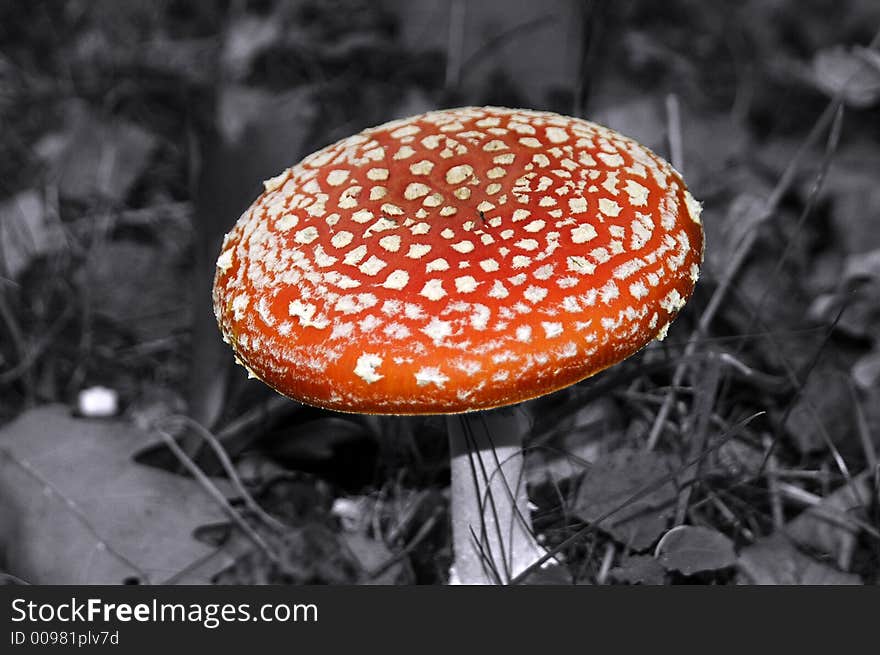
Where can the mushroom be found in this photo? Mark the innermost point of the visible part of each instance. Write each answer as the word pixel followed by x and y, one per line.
pixel 455 262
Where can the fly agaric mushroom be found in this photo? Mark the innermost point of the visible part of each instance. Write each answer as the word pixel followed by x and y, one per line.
pixel 455 261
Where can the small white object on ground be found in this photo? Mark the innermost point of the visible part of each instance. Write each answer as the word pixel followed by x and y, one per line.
pixel 98 402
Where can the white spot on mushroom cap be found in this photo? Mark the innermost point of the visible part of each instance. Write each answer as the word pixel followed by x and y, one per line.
pixel 535 294
pixel 341 239
pixel 577 205
pixel 418 250
pixel 498 290
pixel 377 174
pixel 495 145
pixel 353 304
pixel 609 207
pixel 405 152
pixel 224 261
pixel 694 207
pixel 609 292
pixel 423 167
pixel 672 301
pixel 439 264
pixel 465 284
pixel 430 375
pixel 433 289
pixel 239 305
pixel 552 329
pixel 372 266
pixel 433 200
pixel 274 183
pixel 458 174
pixel 305 313
pixel 638 290
pixel 337 177
pixel 614 160
pixel 287 222
pixel 580 265
pixel 416 190
pixel 391 243
pixel 355 255
pixel 638 194
pixel 406 130
pixel 583 233
pixel 366 366
pixel 556 135
pixel 438 330
pixel 391 209
pixel 397 279
pixel 306 235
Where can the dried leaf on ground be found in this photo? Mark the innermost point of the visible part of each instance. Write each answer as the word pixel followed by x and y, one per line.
pixel 639 569
pixel 375 560
pixel 774 560
pixel 567 446
pixel 692 549
pixel 82 512
pixel 616 477
pixel 823 409
pixel 309 554
pixel 26 232
pixel 857 291
pixel 827 527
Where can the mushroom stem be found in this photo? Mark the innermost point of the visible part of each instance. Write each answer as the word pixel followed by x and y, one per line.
pixel 492 535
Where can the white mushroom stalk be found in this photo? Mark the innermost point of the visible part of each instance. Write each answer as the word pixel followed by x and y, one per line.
pixel 492 536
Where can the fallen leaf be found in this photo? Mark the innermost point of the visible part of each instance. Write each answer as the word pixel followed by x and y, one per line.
pixel 825 528
pixel 375 560
pixel 612 480
pixel 80 511
pixel 310 554
pixel 26 232
pixel 774 560
pixel 692 549
pixel 639 569
pixel 564 448
pixel 824 405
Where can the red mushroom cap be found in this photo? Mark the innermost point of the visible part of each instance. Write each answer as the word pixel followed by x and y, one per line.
pixel 457 260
